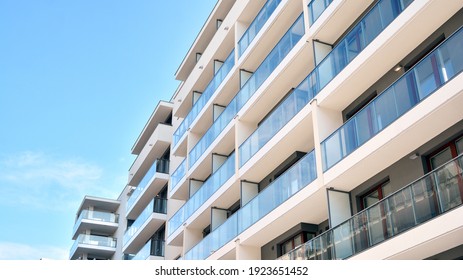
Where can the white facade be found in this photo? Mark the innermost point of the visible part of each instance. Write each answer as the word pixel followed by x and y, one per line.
pixel 307 130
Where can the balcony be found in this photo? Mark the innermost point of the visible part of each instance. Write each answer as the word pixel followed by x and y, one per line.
pixel 355 42
pixel 177 176
pixel 204 98
pixel 215 181
pixel 316 8
pixel 99 221
pixel 284 187
pixel 153 181
pixel 101 246
pixel 145 225
pixel 256 25
pixel 158 117
pixel 289 108
pixel 156 145
pixel 284 46
pixel 153 250
pixel 419 82
pixel 206 38
pixel 425 199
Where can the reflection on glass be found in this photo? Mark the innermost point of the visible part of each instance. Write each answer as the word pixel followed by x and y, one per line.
pixel 157 205
pixel 256 25
pixel 178 175
pixel 370 26
pixel 276 121
pixel 95 215
pixel 279 52
pixel 430 196
pixel 152 248
pixel 213 85
pixel 93 240
pixel 423 79
pixel 289 183
pixel 213 183
pixel 159 166
pixel 316 8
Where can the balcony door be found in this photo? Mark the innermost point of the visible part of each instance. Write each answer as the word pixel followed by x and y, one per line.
pixel 377 228
pixel 449 175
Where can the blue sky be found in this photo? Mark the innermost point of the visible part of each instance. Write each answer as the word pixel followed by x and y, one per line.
pixel 78 81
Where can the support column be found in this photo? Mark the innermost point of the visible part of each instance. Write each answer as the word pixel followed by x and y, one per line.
pixel 306 11
pixel 325 121
pixel 90 212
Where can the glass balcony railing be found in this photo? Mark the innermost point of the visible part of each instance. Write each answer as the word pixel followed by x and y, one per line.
pixel 215 240
pixel 159 166
pixel 356 40
pixel 157 205
pixel 433 71
pixel 292 105
pixel 152 248
pixel 316 8
pixel 430 196
pixel 205 96
pixel 178 175
pixel 93 240
pixel 284 46
pixel 256 25
pixel 293 180
pixel 97 216
pixel 215 181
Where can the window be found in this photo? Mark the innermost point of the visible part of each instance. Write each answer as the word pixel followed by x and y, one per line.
pixel 163 193
pixel 449 178
pixel 376 231
pixel 424 52
pixel 445 153
pixel 235 207
pixel 206 231
pixel 376 194
pixel 459 145
pixel 366 100
pixel 169 119
pixel 160 233
pixel 295 241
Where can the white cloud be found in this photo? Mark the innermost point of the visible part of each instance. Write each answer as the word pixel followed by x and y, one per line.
pixel 48 188
pixel 18 251
pixel 39 180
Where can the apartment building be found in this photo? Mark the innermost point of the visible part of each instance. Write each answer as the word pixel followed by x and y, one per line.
pixel 94 229
pixel 139 231
pixel 322 129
